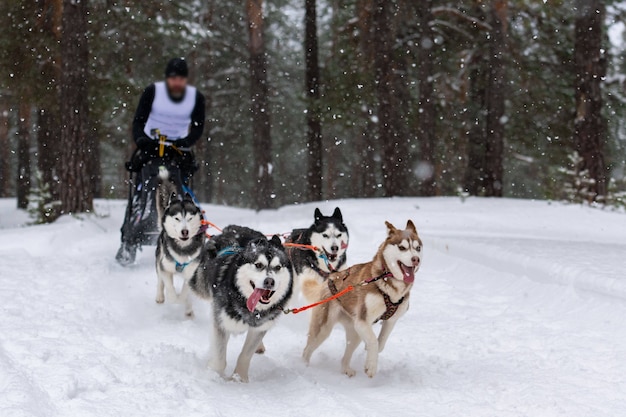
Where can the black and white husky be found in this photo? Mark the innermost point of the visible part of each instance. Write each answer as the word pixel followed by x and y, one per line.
pixel 180 243
pixel 330 235
pixel 250 282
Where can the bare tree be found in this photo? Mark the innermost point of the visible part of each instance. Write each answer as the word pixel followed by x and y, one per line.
pixel 495 93
pixel 391 132
pixel 259 107
pixel 590 67
pixel 23 154
pixel 76 189
pixel 5 157
pixel 48 123
pixel 314 134
pixel 484 174
pixel 427 112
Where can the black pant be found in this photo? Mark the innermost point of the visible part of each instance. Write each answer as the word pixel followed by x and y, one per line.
pixel 140 222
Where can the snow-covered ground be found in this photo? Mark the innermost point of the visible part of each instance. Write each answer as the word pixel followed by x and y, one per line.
pixel 519 310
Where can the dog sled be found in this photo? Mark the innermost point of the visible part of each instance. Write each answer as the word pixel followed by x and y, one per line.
pixel 140 227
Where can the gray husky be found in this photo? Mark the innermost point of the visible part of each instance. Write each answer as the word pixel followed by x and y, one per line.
pixel 180 243
pixel 249 280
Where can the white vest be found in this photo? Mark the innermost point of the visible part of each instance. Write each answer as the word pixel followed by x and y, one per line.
pixel 171 118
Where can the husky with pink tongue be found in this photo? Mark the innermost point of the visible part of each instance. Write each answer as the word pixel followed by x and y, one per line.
pixel 249 280
pixel 381 294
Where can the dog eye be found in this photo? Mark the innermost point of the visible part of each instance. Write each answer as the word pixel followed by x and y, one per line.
pixel 419 248
pixel 325 235
pixel 402 248
pixel 278 268
pixel 259 265
pixel 177 218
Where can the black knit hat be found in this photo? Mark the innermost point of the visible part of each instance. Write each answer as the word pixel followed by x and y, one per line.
pixel 177 67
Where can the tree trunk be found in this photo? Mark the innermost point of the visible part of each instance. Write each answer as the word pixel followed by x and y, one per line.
pixel 495 93
pixel 590 67
pixel 314 134
pixel 427 112
pixel 5 157
pixel 259 108
pixel 48 120
pixel 95 167
pixel 474 174
pixel 23 155
pixel 76 189
pixel 484 174
pixel 391 137
pixel 367 161
pixel 48 139
pixel 203 182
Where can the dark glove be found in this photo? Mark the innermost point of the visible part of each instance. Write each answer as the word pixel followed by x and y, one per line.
pixel 145 142
pixel 183 143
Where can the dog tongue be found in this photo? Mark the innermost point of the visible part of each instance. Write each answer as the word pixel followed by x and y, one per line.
pixel 254 298
pixel 408 272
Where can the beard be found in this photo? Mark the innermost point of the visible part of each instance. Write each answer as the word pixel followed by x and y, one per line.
pixel 176 93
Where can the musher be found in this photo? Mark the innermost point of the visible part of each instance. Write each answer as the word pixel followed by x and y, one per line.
pixel 168 122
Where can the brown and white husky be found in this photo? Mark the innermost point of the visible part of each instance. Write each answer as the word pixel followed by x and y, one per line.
pixel 386 298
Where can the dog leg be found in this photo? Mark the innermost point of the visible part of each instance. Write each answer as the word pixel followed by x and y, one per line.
pixel 319 330
pixel 219 343
pixel 170 292
pixel 365 331
pixel 186 299
pixel 385 331
pixel 253 339
pixel 352 342
pixel 160 294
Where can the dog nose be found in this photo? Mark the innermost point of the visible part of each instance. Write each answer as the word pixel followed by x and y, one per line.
pixel 269 283
pixel 334 248
pixel 184 232
pixel 415 260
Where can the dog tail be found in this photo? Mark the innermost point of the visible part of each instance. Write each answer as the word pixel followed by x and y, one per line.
pixel 163 193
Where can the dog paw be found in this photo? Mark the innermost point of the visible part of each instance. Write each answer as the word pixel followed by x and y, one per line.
pixel 261 349
pixel 189 315
pixel 240 378
pixel 370 369
pixel 159 300
pixel 349 371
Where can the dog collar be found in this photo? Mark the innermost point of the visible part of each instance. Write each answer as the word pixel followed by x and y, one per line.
pixel 317 269
pixel 181 266
pixel 229 250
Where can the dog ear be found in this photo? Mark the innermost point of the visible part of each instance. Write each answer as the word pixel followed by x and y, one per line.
pixel 275 240
pixel 318 215
pixel 411 226
pixel 188 197
pixel 337 214
pixel 390 228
